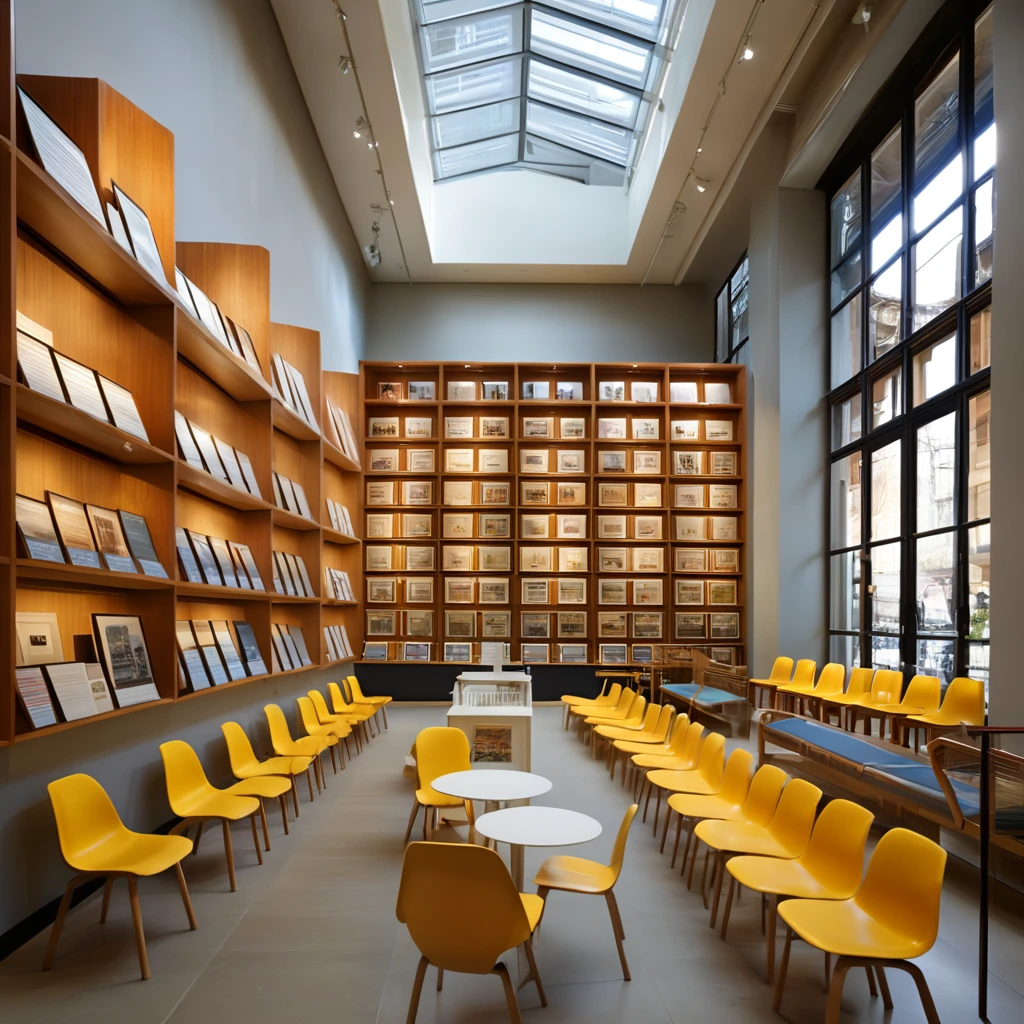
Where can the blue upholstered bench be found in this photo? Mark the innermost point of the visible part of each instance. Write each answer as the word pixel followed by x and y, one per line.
pixel 707 696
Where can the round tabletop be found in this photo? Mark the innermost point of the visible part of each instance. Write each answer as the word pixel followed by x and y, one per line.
pixel 538 826
pixel 491 784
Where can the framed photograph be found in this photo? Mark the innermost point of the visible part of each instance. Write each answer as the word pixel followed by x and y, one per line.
pixel 378 525
pixel 569 391
pixel 535 654
pixel 380 623
pixel 612 495
pixel 723 655
pixel 646 625
pixel 573 527
pixel 459 590
pixel 612 559
pixel 205 558
pixel 82 387
pixel 691 560
pixel 417 492
pixel 461 391
pixel 37 368
pixel 722 495
pixel 648 592
pixel 495 525
pixel 390 391
pixel 611 428
pixel 611 391
pixel 611 624
pixel 533 460
pixel 647 527
pixel 685 430
pixel 572 559
pixel 492 460
pixel 245 564
pixel 690 626
pixel 460 624
pixel 419 427
pixel 494 426
pixel 419 558
pixel 716 393
pixel 383 426
pixel 123 409
pixel 643 391
pixel 375 652
pixel 572 494
pixel 572 427
pixel 721 592
pixel 416 525
pixel 534 390
pixel 534 591
pixel 419 622
pixel 572 654
pixel 380 492
pixel 458 492
pixel 458 557
pixel 458 426
pixel 421 391
pixel 140 544
pixel 496 624
pixel 725 560
pixel 378 557
pixel 412 651
pixel 495 390
pixel 121 645
pixel 611 527
pixel 572 591
pixel 532 527
pixel 419 460
pixel 458 652
pixel 381 591
pixel 493 590
pixel 36 531
pixel 724 528
pixel 495 559
pixel 106 528
pixel 458 460
pixel 534 493
pixel 571 624
pixel 718 430
pixel 688 496
pixel 612 654
pixel 611 591
pixel 534 559
pixel 690 592
pixel 691 528
pixel 611 461
pixel 642 654
pixel 683 392
pixel 647 495
pixel 39 640
pixel 72 528
pixel 725 625
pixel 384 460
pixel 538 426
pixel 648 559
pixel 572 461
pixel 687 463
pixel 723 464
pixel 495 492
pixel 535 625
pixel 645 429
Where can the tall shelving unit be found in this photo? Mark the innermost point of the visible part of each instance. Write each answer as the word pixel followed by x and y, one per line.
pixel 62 269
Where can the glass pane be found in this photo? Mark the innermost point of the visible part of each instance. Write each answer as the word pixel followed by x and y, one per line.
pixel 979 468
pixel 936 473
pixel 936 562
pixel 846 215
pixel 440 10
pixel 603 140
pixel 638 17
pixel 462 126
pixel 934 369
pixel 885 492
pixel 846 421
pixel 886 241
pixel 886 176
pixel 740 277
pixel 722 325
pixel 936 269
pixel 846 357
pixel 476 156
pixel 479 37
pixel 885 311
pixel 979 545
pixel 886 398
pixel 551 158
pixel 981 340
pixel 985 151
pixel 885 652
pixel 983 107
pixel 885 599
pixel 977 664
pixel 571 91
pixel 845 279
pixel 935 122
pixel 845 503
pixel 936 658
pixel 938 194
pixel 844 650
pixel 589 48
pixel 740 317
pixel 984 231
pixel 845 591
pixel 474 86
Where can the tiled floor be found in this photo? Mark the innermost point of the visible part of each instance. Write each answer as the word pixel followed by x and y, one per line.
pixel 312 934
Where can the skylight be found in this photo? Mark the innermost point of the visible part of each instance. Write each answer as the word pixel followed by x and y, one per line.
pixel 562 87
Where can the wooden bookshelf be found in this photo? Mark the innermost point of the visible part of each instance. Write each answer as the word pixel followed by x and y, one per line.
pixel 61 268
pixel 588 463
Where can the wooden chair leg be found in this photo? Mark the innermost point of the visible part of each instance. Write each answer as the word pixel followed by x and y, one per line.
pixel 930 1013
pixel 780 982
pixel 256 838
pixel 334 760
pixel 728 905
pixel 719 879
pixel 510 993
pixel 693 860
pixel 657 811
pixel 58 923
pixel 835 990
pixel 199 835
pixel 440 978
pixel 263 823
pixel 229 854
pixel 675 845
pixel 384 710
pixel 883 984
pixel 284 813
pixel 185 898
pixel 417 987
pixel 295 792
pixel 107 889
pixel 872 988
pixel 534 973
pixel 664 831
pixel 140 935
pixel 620 934
pixel 771 927
pixel 412 818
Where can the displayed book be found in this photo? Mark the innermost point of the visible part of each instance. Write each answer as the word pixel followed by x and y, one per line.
pixel 187 557
pixel 339 586
pixel 72 688
pixel 140 233
pixel 295 632
pixel 123 410
pixel 290 387
pixel 254 663
pixel 205 557
pixel 245 566
pixel 194 666
pixel 110 539
pixel 199 448
pixel 222 634
pixel 340 431
pixel 290 496
pixel 121 644
pixel 225 563
pixel 140 543
pixel 34 697
pixel 37 369
pixel 210 652
pixel 37 535
pixel 82 387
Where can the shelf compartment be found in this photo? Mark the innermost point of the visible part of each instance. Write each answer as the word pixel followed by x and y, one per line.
pixel 207 354
pixel 201 482
pixel 30 572
pixel 334 537
pixel 50 730
pixel 299 347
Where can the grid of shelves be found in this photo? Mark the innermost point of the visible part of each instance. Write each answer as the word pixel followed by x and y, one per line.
pixel 460 488
pixel 63 270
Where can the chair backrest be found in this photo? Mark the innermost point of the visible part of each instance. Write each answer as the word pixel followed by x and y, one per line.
pixel 626 698
pixel 794 817
pixel 887 686
pixel 664 722
pixel 440 750
pixel 782 670
pixel 323 714
pixel 460 905
pixel 830 681
pixel 965 700
pixel 619 849
pixel 637 708
pixel 610 696
pixel 346 688
pixel 183 774
pixel 357 690
pixel 692 742
pixel 736 777
pixel 923 692
pixel 835 853
pixel 903 885
pixel 651 718
pixel 84 814
pixel 763 796
pixel 240 752
pixel 711 764
pixel 677 736
pixel 338 701
pixel 860 682
pixel 280 735
pixel 804 674
pixel 307 714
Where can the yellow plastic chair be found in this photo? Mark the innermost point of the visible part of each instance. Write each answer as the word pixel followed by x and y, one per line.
pixel 244 764
pixel 330 734
pixel 196 801
pixel 893 919
pixel 633 721
pixel 324 717
pixel 830 868
pixel 922 697
pixel 963 704
pixel 268 787
pixel 284 746
pixel 462 911
pixel 95 843
pixel 439 751
pixel 622 746
pixel 342 706
pixel 364 709
pixel 705 779
pixel 885 691
pixel 672 742
pixel 606 698
pixel 338 725
pixel 830 684
pixel 378 703
pixel 620 709
pixel 840 703
pixel 589 878
pixel 802 681
pixel 794 695
pixel 686 747
pixel 781 671
pixel 629 730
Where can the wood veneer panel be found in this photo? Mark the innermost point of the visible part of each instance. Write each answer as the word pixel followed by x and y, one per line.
pixel 305 543
pixel 306 616
pixel 300 347
pixel 299 461
pixel 7 69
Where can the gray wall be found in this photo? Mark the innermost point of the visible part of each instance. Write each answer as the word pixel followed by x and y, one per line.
pixel 523 323
pixel 249 169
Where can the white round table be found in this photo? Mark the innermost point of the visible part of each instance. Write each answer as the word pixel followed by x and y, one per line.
pixel 536 826
pixel 492 786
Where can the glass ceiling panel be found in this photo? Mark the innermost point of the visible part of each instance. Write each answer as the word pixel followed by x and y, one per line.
pixel 463 126
pixel 573 91
pixel 476 156
pixel 437 10
pixel 541 155
pixel 582 133
pixel 474 86
pixel 468 40
pixel 640 17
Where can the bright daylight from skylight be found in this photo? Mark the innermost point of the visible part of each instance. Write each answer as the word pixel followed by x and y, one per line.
pixel 564 87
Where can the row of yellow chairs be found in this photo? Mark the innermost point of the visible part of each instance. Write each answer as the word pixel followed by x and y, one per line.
pixel 95 843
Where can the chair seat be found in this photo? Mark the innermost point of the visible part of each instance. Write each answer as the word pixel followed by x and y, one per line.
pixel 949 718
pixel 783 878
pixel 670 762
pixel 696 806
pixel 614 720
pixel 844 929
pixel 845 699
pixel 620 732
pixel 575 874
pixel 638 745
pixel 534 907
pixel 273 766
pixel 893 709
pixel 765 682
pixel 431 798
pixel 797 688
pixel 268 786
pixel 134 853
pixel 742 837
pixel 682 782
pixel 217 805
pixel 375 701
pixel 308 746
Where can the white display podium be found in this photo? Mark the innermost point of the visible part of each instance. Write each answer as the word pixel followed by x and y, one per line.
pixel 495 711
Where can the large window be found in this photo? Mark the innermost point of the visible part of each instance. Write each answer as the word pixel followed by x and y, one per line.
pixel 910 253
pixel 732 315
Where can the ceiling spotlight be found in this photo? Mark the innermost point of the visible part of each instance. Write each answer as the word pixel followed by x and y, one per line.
pixel 862 16
pixel 748 50
pixel 700 149
pixel 372 251
pixel 345 64
pixel 466 367
pixel 362 125
pixel 701 183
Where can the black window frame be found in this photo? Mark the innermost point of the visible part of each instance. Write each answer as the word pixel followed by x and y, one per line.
pixel 734 352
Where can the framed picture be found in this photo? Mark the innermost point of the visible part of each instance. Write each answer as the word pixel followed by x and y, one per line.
pixel 419 427
pixel 459 590
pixel 535 654
pixel 121 646
pixel 419 589
pixel 106 528
pixel 390 390
pixel 612 495
pixel 536 389
pixel 614 428
pixel 723 655
pixel 380 623
pixel 494 558
pixel 375 651
pixel 536 625
pixel 648 559
pixel 412 651
pixel 569 391
pixel 532 527
pixel 495 390
pixel 533 460
pixel 645 429
pixel 724 528
pixel 648 592
pixel 718 430
pixel 534 493
pixel 495 524
pixel 642 654
pixel 612 559
pixel 416 525
pixel 690 592
pixel 36 531
pixel 572 591
pixel 611 391
pixel 612 654
pixel 458 460
pixel 643 391
pixel 380 492
pixel 457 526
pixel 538 426
pixel 722 495
pixel 691 528
pixel 458 557
pixel 458 492
pixel 572 461
pixel 458 652
pixel 534 591
pixel 687 463
pixel 611 527
pixel 39 640
pixel 492 460
pixel 611 461
pixel 611 624
pixel 725 625
pixel 723 464
pixel 684 430
pixel 691 560
pixel 384 460
pixel 572 427
pixel 690 626
pixel 460 624
pixel 572 494
pixel 646 462
pixel 646 625
pixel 688 496
pixel 417 492
pixel 494 426
pixel 419 622
pixel 419 460
pixel 721 592
pixel 419 558
pixel 378 557
pixel 611 591
pixel 683 392
pixel 716 393
pixel 72 528
pixel 572 654
pixel 383 426
pixel 647 527
pixel 647 495
pixel 571 624
pixel 534 559
pixel 496 624
pixel 574 527
pixel 458 426
pixel 461 391
pixel 725 560
pixel 421 391
pixel 381 591
pixel 493 590
pixel 494 492
pixel 572 559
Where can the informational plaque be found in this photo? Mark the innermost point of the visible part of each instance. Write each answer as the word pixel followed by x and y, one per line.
pixel 195 670
pixel 222 633
pixel 140 543
pixel 211 655
pixel 249 474
pixel 106 527
pixel 82 387
pixel 71 687
pixel 186 443
pixel 37 369
pixel 140 232
pixel 187 558
pixel 35 528
pixel 73 528
pixel 234 470
pixel 121 403
pixel 117 228
pixel 35 698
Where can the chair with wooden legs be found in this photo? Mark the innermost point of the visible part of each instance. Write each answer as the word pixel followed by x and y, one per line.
pixel 462 911
pixel 633 720
pixel 830 684
pixel 782 669
pixel 655 733
pixel 686 747
pixel 802 681
pixel 795 696
pixel 324 717
pixel 341 706
pixel 367 710
pixel 892 920
pixel 95 843
pixel 589 878
pixel 196 801
pixel 379 703
pixel 885 690
pixel 244 765
pixel 331 734
pixel 922 697
pixel 620 709
pixel 606 699
pixel 705 779
pixel 839 704
pixel 284 746
pixel 830 868
pixel 669 746
pixel 440 750
pixel 963 704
